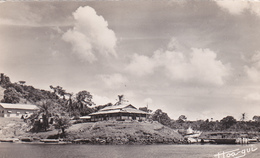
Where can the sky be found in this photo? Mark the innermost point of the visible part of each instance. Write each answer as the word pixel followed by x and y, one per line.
pixel 197 58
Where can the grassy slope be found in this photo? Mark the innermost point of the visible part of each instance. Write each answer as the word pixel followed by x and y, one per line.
pixel 137 131
pixel 128 130
pixel 12 127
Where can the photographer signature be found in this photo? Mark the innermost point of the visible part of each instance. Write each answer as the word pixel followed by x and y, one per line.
pixel 237 153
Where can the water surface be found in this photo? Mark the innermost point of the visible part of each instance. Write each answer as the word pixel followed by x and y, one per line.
pixel 13 150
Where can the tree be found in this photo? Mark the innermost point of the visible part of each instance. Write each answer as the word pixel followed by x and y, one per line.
pixel 61 119
pixel 182 119
pixel 22 82
pixel 59 90
pixel 121 100
pixel 256 118
pixel 40 119
pixel 11 96
pixel 84 98
pixel 161 117
pixel 228 121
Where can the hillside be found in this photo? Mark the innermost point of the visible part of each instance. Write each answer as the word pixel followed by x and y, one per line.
pixel 106 132
pixel 114 132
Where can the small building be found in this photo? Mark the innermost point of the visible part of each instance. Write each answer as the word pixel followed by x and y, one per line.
pixel 85 118
pixel 120 112
pixel 16 110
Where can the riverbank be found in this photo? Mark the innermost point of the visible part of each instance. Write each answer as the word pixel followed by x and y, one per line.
pixel 105 132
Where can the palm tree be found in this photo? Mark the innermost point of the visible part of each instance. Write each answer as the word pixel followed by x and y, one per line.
pixel 44 113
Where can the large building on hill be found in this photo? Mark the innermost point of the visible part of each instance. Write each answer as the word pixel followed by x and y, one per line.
pixel 120 112
pixel 16 110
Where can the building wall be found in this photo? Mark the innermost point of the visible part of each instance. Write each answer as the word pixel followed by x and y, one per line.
pixel 14 112
pixel 1 111
pixel 118 117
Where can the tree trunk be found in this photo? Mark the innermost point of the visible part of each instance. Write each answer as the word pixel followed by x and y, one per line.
pixel 63 131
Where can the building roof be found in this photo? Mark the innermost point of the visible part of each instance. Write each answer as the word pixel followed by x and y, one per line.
pixel 19 106
pixel 127 109
pixel 85 117
pixel 121 106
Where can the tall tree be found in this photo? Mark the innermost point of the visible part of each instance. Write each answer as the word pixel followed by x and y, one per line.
pixel 161 117
pixel 228 121
pixel 121 100
pixel 40 119
pixel 83 101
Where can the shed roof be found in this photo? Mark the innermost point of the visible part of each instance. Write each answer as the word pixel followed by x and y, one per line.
pixel 85 117
pixel 19 106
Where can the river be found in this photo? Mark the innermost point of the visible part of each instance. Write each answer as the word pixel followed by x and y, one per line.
pixel 16 150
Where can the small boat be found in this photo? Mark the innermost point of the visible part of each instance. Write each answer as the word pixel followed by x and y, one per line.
pixel 26 139
pixel 9 140
pixel 225 141
pixel 54 141
pixel 50 140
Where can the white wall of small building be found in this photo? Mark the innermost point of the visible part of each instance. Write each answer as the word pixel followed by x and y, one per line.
pixel 18 113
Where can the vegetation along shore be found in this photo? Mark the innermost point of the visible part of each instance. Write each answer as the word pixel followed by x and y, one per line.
pixel 58 119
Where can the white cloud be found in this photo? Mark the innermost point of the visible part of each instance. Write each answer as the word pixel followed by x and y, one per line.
pixel 253 71
pixel 197 65
pixel 90 35
pixel 141 65
pixel 114 80
pixel 234 7
pixel 239 6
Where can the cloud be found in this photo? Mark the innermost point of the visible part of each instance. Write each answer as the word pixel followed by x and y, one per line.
pixel 24 16
pixel 141 65
pixel 253 71
pixel 90 35
pixel 196 65
pixel 114 81
pixel 238 7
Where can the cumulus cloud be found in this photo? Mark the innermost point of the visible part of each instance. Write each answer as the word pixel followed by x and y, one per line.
pixel 196 65
pixel 253 71
pixel 114 81
pixel 141 65
pixel 90 35
pixel 238 7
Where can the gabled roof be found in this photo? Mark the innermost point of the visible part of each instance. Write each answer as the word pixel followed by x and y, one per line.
pixel 19 106
pixel 113 107
pixel 119 109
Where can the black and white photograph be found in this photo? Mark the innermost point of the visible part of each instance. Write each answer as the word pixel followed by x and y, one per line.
pixel 129 79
